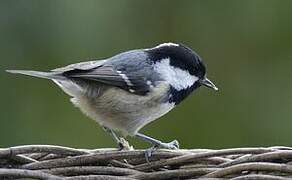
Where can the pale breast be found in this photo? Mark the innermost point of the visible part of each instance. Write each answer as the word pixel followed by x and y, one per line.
pixel 126 112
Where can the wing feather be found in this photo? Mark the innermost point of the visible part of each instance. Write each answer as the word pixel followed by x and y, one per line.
pixel 80 66
pixel 108 75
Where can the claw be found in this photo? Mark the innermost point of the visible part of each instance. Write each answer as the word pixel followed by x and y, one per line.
pixel 174 144
pixel 124 144
pixel 149 152
pixel 120 146
pixel 157 144
pixel 171 145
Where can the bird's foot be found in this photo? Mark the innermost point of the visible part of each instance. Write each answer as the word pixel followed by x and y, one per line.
pixel 149 152
pixel 171 145
pixel 124 144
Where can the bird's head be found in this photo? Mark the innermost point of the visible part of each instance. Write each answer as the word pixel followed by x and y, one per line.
pixel 182 67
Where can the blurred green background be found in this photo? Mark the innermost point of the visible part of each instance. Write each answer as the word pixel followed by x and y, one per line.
pixel 247 46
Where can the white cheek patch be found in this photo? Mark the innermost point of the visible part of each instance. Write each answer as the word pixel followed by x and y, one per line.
pixel 176 77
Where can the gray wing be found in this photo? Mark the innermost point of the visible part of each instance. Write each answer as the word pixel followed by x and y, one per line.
pixel 130 71
pixel 81 66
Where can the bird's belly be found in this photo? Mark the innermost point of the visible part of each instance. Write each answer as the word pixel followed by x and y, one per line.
pixel 125 112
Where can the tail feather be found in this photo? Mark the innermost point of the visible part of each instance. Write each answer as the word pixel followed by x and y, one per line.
pixel 39 74
pixel 64 83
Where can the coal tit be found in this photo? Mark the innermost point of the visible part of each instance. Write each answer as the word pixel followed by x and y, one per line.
pixel 127 91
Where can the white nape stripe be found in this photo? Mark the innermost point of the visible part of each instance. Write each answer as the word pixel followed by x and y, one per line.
pixel 166 44
pixel 178 78
pixel 163 45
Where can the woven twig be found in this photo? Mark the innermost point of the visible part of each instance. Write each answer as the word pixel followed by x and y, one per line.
pixel 57 162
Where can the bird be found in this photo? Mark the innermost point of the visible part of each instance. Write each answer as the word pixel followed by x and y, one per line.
pixel 129 90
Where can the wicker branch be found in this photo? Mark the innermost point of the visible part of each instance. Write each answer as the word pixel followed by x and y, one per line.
pixel 57 162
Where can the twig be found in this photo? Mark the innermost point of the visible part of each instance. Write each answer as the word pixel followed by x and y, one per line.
pixel 87 170
pixel 21 173
pixel 57 162
pixel 12 151
pixel 192 157
pixel 269 156
pixel 98 177
pixel 23 159
pixel 182 173
pixel 260 177
pixel 258 166
pixel 97 158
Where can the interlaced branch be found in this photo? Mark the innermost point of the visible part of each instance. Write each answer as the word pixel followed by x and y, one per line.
pixel 57 162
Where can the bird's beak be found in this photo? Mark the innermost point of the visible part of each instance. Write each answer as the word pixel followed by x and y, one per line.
pixel 206 82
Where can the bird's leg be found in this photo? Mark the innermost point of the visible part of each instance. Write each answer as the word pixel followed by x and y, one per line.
pixel 122 143
pixel 156 144
pixel 171 145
